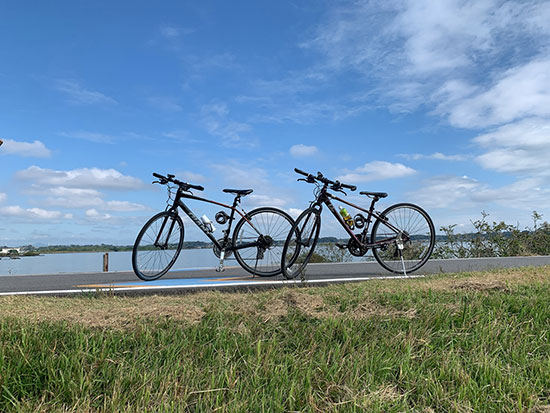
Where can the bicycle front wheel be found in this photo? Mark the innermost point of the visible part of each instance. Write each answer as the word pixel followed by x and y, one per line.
pixel 407 249
pixel 300 243
pixel 267 229
pixel 157 246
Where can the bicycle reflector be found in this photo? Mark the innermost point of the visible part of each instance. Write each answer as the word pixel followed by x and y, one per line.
pixel 221 217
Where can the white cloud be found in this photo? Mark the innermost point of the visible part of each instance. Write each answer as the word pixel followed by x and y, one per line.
pixel 191 177
pixel 32 213
pixel 94 215
pixel 3 197
pixel 437 155
pixel 521 147
pixel 447 191
pixel 460 195
pixel 34 149
pixel 242 177
pixel 300 150
pixel 170 32
pixel 122 206
pixel 89 136
pixel 294 212
pixel 80 178
pixel 523 91
pixel 376 171
pixel 215 118
pixel 86 198
pixel 78 95
pixel 266 200
pixel 422 52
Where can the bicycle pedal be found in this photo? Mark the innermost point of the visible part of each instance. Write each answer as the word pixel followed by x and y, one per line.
pixel 341 246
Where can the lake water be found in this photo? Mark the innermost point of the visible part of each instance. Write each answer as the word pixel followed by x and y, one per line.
pixel 93 262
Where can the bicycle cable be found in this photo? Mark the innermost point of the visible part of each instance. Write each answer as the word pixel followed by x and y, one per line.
pixel 171 195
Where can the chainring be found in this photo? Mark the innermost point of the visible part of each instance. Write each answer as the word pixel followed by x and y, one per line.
pixel 355 248
pixel 218 252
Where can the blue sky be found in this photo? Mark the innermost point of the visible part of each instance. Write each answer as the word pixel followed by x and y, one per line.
pixel 445 104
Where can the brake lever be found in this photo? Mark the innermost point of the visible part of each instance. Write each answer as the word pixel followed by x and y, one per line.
pixel 335 189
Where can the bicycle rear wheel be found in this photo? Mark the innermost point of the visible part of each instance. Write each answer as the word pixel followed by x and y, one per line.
pixel 157 246
pixel 269 227
pixel 411 248
pixel 300 243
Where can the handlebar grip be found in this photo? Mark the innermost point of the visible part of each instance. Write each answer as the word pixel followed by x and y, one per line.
pixel 159 176
pixel 299 171
pixel 197 187
pixel 350 187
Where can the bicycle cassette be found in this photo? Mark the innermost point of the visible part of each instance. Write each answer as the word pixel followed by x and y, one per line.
pixel 356 249
pixel 218 252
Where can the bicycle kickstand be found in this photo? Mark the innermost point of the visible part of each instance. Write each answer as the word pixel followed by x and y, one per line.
pixel 220 266
pixel 400 247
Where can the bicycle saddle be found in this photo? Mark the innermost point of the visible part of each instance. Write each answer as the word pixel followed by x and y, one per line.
pixel 241 192
pixel 376 194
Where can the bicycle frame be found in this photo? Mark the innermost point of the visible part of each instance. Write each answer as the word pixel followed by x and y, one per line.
pixel 325 198
pixel 179 203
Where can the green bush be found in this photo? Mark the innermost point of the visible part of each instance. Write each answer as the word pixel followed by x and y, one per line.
pixel 496 239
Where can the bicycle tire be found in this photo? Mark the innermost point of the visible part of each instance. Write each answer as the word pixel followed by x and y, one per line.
pixel 419 227
pixel 151 261
pixel 272 223
pixel 304 234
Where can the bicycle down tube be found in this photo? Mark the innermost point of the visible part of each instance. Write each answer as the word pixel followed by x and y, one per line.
pixel 203 227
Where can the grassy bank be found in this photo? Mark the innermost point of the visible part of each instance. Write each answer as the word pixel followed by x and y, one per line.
pixel 469 342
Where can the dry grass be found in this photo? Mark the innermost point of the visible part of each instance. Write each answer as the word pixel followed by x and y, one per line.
pixel 121 312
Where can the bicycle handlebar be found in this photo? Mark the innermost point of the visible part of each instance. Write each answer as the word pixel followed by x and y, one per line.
pixel 336 185
pixel 184 185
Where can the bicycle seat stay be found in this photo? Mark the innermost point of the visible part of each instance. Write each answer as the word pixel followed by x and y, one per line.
pixel 241 192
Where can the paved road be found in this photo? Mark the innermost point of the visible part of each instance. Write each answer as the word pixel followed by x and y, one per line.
pixel 235 277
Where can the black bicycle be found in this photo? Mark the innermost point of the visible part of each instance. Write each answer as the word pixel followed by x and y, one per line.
pixel 257 240
pixel 402 237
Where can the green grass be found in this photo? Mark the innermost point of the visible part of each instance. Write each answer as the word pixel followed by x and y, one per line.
pixel 470 342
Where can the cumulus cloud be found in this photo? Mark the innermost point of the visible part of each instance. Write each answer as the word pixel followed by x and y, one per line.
pixel 462 193
pixel 94 215
pixel 32 213
pixel 3 197
pixel 376 171
pixel 80 178
pixel 301 151
pixel 86 198
pixel 34 149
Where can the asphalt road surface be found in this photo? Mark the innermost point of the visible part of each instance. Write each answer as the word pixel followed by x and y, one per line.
pixel 236 278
